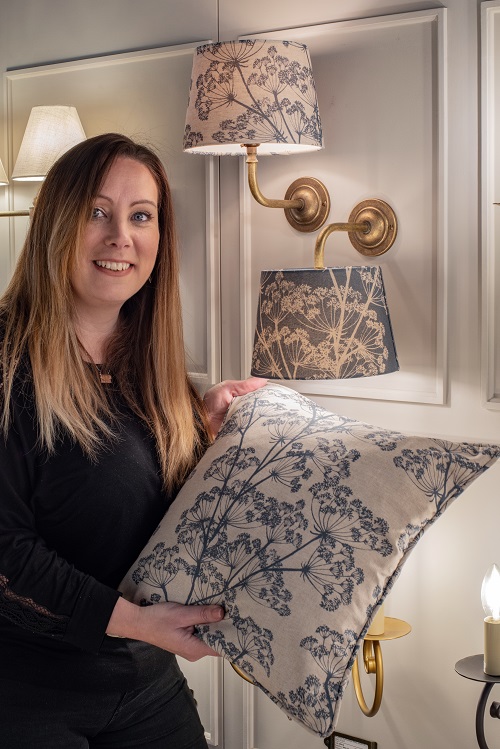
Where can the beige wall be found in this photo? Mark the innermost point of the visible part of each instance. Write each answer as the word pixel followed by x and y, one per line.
pixel 425 702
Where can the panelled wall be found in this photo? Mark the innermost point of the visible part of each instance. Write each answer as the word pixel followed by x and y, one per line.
pixel 399 87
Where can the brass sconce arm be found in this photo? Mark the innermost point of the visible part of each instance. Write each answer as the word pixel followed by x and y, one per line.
pixel 252 162
pixel 14 213
pixel 372 229
pixel 306 203
pixel 319 248
pixel 373 663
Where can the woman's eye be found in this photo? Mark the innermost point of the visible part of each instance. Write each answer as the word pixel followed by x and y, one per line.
pixel 141 216
pixel 98 213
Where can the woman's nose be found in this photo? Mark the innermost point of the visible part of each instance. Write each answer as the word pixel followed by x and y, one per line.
pixel 118 233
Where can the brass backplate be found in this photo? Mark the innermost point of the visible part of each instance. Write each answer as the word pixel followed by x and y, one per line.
pixel 316 204
pixel 382 227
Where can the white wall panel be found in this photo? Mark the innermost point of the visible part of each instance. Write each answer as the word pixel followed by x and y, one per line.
pixel 490 109
pixel 205 678
pixel 382 96
pixel 142 95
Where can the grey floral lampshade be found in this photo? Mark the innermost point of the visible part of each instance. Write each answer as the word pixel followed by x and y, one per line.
pixel 317 324
pixel 252 92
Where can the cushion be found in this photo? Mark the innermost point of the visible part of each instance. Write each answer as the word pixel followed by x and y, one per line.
pixel 298 521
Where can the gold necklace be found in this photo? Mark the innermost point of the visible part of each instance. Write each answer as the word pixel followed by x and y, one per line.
pixel 105 377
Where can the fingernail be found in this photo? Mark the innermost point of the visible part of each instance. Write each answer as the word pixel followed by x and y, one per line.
pixel 218 612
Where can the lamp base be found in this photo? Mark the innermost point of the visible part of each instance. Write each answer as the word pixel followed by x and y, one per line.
pixel 382 227
pixel 316 206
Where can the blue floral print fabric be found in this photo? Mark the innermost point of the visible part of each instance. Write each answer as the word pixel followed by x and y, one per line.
pixel 298 521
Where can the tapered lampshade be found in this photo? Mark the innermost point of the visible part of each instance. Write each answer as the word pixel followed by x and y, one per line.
pixel 50 132
pixel 3 175
pixel 330 323
pixel 252 92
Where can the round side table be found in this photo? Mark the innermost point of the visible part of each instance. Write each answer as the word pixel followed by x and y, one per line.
pixel 472 667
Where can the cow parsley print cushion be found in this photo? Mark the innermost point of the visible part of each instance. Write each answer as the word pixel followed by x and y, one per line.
pixel 297 521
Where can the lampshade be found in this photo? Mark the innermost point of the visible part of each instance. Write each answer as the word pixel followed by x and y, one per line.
pixel 3 175
pixel 317 324
pixel 50 132
pixel 252 92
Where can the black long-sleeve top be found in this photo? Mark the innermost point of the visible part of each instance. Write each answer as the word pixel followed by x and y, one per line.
pixel 69 531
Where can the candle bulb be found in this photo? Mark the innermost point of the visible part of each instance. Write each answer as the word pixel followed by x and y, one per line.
pixel 490 598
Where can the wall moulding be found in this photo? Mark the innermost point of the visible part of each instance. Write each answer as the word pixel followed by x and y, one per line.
pixel 382 86
pixel 205 678
pixel 490 213
pixel 143 95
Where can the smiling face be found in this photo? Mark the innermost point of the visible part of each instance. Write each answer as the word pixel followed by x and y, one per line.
pixel 120 242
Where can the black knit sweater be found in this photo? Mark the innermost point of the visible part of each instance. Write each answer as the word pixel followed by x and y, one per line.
pixel 69 531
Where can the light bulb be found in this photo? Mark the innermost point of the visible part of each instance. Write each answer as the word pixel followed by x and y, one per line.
pixel 490 598
pixel 490 593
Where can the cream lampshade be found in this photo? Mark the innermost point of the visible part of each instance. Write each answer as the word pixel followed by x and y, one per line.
pixel 252 91
pixel 50 132
pixel 3 175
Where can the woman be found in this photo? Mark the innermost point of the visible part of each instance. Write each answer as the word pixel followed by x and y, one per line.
pixel 101 426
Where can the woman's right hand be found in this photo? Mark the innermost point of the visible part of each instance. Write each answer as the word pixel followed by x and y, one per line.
pixel 169 626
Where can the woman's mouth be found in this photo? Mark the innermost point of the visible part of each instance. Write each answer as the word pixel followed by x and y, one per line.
pixel 111 265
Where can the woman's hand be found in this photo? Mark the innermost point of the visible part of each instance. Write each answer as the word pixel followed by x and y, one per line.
pixel 219 397
pixel 169 626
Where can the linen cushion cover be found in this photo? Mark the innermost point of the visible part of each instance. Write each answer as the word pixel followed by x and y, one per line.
pixel 298 521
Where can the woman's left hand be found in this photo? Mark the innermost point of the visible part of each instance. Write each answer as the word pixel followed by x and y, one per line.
pixel 219 397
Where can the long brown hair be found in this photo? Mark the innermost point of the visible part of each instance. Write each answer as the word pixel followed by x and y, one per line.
pixel 146 353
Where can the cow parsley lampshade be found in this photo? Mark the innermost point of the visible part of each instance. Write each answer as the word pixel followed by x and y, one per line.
pixel 252 91
pixel 328 323
pixel 50 132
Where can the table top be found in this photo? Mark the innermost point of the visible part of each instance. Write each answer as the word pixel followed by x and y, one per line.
pixel 472 667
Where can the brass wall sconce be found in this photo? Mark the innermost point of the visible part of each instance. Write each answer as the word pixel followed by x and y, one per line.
pixel 372 229
pixel 329 323
pixel 383 629
pixel 50 132
pixel 259 95
pixel 390 629
pixel 306 203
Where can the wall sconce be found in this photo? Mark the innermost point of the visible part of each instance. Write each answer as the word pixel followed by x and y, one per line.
pixel 50 132
pixel 486 668
pixel 329 323
pixel 4 181
pixel 382 629
pixel 259 95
